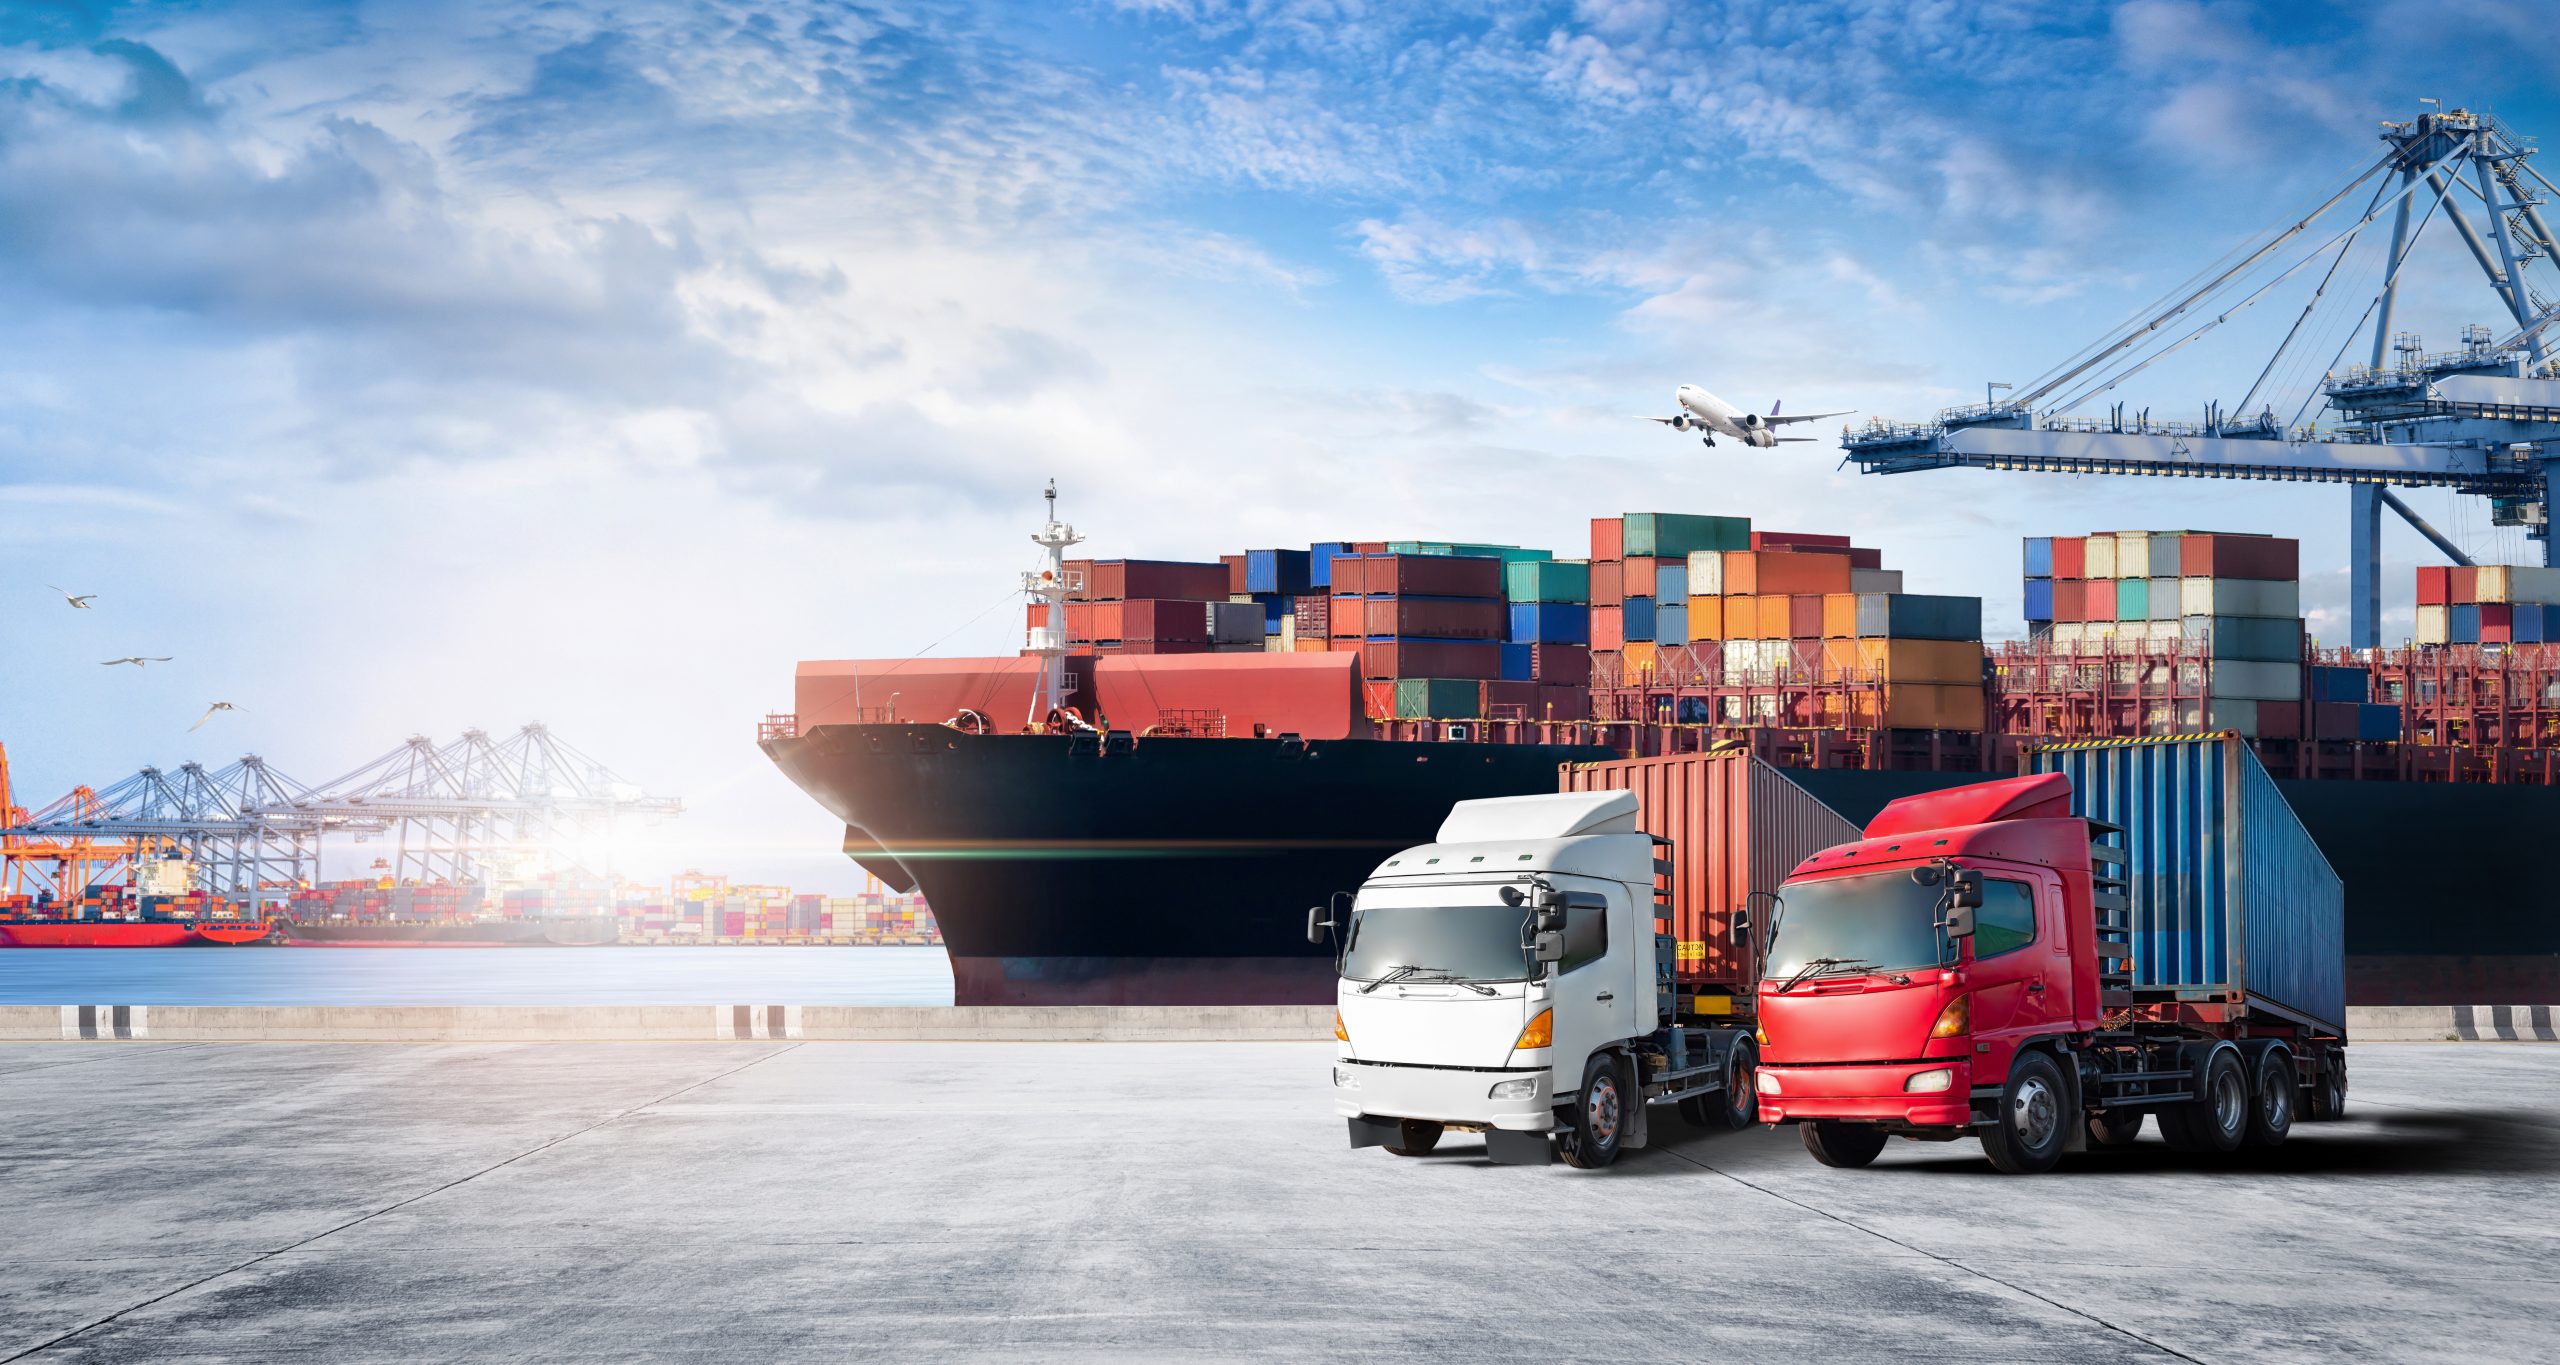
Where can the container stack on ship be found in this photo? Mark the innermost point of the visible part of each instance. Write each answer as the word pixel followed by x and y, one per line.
pixel 1145 819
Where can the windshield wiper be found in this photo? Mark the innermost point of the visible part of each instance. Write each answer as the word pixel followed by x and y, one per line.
pixel 1822 966
pixel 1398 974
pixel 1440 976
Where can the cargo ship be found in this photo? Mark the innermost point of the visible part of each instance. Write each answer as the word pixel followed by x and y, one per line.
pixel 161 908
pixel 567 932
pixel 1107 820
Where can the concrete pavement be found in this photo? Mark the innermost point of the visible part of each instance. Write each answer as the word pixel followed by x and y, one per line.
pixel 752 1200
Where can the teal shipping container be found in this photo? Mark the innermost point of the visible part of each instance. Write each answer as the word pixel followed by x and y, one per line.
pixel 1508 554
pixel 1919 616
pixel 2133 599
pixel 1438 698
pixel 2232 901
pixel 1547 580
pixel 1675 535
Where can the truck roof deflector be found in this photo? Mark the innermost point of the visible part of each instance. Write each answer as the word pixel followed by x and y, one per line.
pixel 1561 815
pixel 2044 796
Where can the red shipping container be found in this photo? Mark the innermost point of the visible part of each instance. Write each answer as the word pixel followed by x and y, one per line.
pixel 2278 719
pixel 1350 575
pixel 1369 547
pixel 2098 600
pixel 1563 703
pixel 1804 616
pixel 2222 555
pixel 1442 618
pixel 1608 626
pixel 1737 827
pixel 2497 623
pixel 2435 584
pixel 1151 618
pixel 1608 539
pixel 1313 695
pixel 1120 579
pixel 1608 583
pixel 1424 576
pixel 1518 699
pixel 1345 619
pixel 1315 617
pixel 2069 599
pixel 2462 584
pixel 1791 540
pixel 2071 557
pixel 1235 573
pixel 1153 646
pixel 1771 572
pixel 1642 576
pixel 1409 658
pixel 1863 558
pixel 1566 665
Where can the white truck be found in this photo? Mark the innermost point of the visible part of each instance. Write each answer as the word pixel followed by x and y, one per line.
pixel 1513 979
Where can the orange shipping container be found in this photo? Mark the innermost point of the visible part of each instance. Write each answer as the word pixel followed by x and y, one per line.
pixel 1784 571
pixel 1924 706
pixel 1839 615
pixel 1771 618
pixel 1644 659
pixel 1706 618
pixel 1737 827
pixel 1904 661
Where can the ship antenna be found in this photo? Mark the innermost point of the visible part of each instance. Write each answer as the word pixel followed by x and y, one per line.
pixel 1050 586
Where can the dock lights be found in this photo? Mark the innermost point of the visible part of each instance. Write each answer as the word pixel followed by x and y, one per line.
pixel 1541 1031
pixel 1340 1034
pixel 1930 1082
pixel 1524 1088
pixel 1956 1020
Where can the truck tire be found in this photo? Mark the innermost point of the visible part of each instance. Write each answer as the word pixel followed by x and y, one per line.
pixel 1741 1103
pixel 2027 1136
pixel 1598 1121
pixel 1848 1145
pixel 1416 1137
pixel 1703 1111
pixel 2271 1099
pixel 2328 1100
pixel 2218 1117
pixel 2115 1128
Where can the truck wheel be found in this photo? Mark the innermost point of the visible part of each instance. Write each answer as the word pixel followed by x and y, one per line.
pixel 1702 1112
pixel 2027 1137
pixel 2328 1101
pixel 1591 1135
pixel 1416 1137
pixel 2271 1100
pixel 2115 1128
pixel 2218 1117
pixel 1741 1102
pixel 1841 1144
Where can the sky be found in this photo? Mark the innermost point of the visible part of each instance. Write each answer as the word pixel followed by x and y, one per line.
pixel 402 369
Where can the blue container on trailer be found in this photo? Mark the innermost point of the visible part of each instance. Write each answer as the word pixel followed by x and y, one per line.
pixel 1515 662
pixel 1320 561
pixel 1671 584
pixel 2039 556
pixel 1639 618
pixel 1277 571
pixel 1551 623
pixel 2462 623
pixel 2379 722
pixel 2230 895
pixel 2040 597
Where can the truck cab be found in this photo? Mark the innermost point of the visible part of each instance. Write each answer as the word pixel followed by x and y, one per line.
pixel 1508 978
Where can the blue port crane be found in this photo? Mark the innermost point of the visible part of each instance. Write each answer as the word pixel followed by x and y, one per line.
pixel 2481 420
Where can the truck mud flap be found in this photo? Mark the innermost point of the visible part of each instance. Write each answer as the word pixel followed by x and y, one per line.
pixel 1369 1132
pixel 1508 1148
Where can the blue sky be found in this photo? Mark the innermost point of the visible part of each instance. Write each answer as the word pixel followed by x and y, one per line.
pixel 406 368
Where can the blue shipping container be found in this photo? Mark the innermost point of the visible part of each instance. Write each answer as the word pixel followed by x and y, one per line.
pixel 2332 683
pixel 2462 623
pixel 1551 623
pixel 1320 561
pixel 1515 662
pixel 1639 618
pixel 2039 557
pixel 2378 722
pixel 2040 599
pixel 1671 584
pixel 2230 894
pixel 1275 609
pixel 1276 571
pixel 2531 624
pixel 1670 624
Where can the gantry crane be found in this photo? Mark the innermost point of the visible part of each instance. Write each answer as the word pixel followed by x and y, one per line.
pixel 64 865
pixel 2483 420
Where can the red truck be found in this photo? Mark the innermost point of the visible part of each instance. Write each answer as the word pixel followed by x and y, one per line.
pixel 2133 928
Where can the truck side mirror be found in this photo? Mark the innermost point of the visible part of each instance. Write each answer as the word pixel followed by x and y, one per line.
pixel 1742 926
pixel 1317 924
pixel 1964 889
pixel 1550 944
pixel 1959 921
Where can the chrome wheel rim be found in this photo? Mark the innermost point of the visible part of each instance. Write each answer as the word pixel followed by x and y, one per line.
pixel 2228 1103
pixel 2275 1102
pixel 1601 1110
pixel 2034 1112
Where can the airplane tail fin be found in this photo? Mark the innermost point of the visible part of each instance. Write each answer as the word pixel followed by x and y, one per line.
pixel 1773 407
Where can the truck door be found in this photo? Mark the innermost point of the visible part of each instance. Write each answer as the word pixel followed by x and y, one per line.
pixel 1592 993
pixel 2021 971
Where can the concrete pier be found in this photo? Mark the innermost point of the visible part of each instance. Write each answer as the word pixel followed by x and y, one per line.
pixel 782 1199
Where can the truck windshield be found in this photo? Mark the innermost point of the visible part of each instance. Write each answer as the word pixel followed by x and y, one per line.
pixel 1452 942
pixel 1882 921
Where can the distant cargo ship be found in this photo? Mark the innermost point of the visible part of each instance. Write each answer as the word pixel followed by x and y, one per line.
pixel 567 932
pixel 148 932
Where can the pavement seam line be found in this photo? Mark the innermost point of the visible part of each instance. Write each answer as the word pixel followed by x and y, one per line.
pixel 1949 1261
pixel 148 1050
pixel 396 1205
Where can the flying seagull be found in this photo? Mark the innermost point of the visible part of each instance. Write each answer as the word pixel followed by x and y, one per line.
pixel 136 660
pixel 79 600
pixel 208 715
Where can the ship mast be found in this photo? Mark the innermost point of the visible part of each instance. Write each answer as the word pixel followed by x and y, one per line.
pixel 1051 585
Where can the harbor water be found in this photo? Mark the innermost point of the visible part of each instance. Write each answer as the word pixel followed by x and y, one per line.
pixel 476 976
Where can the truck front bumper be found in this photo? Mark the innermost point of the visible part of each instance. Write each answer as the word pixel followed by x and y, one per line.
pixel 1872 1093
pixel 1442 1095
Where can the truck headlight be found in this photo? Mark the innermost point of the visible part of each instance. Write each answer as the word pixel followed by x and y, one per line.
pixel 1522 1089
pixel 1930 1082
pixel 1767 1082
pixel 1345 1079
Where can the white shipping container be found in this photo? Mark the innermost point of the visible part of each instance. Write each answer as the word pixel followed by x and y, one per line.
pixel 2239 597
pixel 2433 628
pixel 1875 580
pixel 2243 681
pixel 2102 555
pixel 2067 635
pixel 1706 573
pixel 2133 554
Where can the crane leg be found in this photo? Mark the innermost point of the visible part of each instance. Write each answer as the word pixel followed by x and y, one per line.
pixel 2364 565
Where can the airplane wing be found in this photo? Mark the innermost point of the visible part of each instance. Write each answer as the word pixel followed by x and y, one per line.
pixel 1666 421
pixel 1808 440
pixel 1776 421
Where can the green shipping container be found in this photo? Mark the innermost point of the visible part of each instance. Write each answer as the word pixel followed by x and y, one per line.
pixel 1676 535
pixel 1547 580
pixel 1438 698
pixel 1508 554
pixel 2133 599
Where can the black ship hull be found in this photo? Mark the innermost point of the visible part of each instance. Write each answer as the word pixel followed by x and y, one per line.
pixel 1172 871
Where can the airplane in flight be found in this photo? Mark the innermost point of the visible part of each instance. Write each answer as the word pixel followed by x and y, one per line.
pixel 1702 411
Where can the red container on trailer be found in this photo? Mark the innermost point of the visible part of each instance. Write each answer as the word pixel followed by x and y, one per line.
pixel 1608 539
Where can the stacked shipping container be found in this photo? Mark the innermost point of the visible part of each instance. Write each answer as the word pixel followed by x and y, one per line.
pixel 2224 609
pixel 2488 604
pixel 1809 607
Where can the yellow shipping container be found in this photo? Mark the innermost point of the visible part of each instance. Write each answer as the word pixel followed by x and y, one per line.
pixel 1839 615
pixel 1706 618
